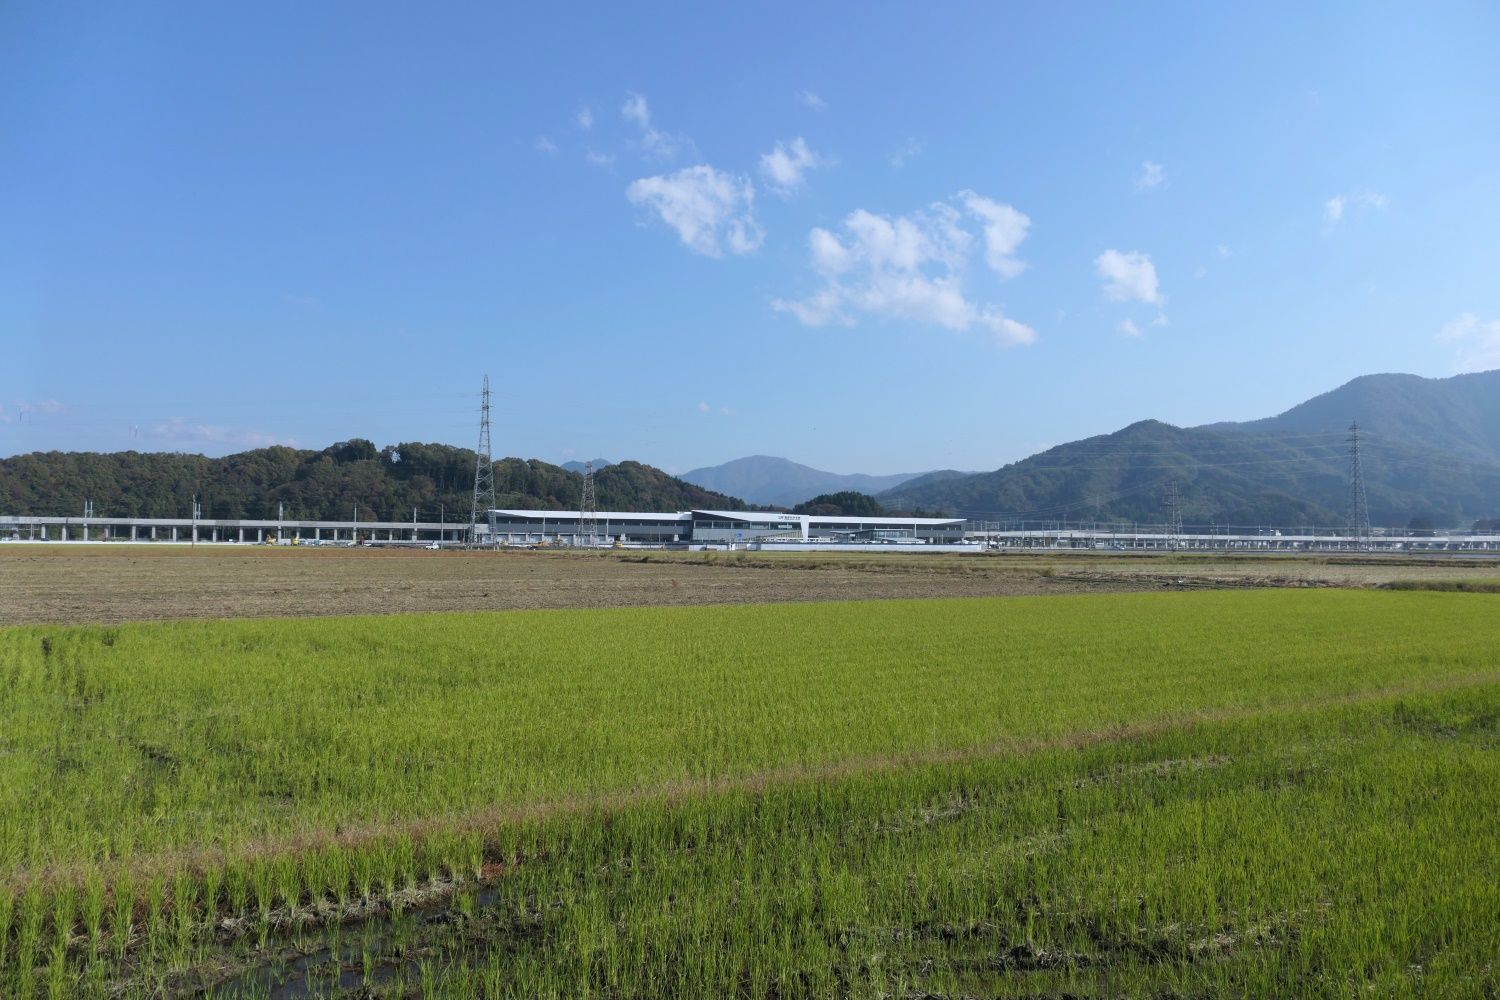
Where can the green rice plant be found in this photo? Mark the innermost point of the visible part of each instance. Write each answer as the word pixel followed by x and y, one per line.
pixel 33 911
pixel 122 911
pixel 157 938
pixel 186 925
pixel 7 906
pixel 1199 793
pixel 93 909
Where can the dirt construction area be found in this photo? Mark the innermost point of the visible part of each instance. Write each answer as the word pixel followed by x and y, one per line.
pixel 76 583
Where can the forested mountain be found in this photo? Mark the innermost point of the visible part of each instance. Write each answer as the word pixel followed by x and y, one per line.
pixel 385 483
pixel 1430 450
pixel 765 479
pixel 1458 416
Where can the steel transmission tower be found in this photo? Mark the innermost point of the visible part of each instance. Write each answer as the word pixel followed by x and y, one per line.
pixel 588 514
pixel 1173 503
pixel 1357 521
pixel 484 471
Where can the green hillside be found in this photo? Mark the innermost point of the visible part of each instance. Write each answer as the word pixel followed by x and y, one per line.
pixel 385 483
pixel 1226 477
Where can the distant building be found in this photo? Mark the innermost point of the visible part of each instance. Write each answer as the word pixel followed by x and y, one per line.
pixel 718 527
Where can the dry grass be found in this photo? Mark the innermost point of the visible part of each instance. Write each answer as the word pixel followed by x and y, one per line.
pixel 116 583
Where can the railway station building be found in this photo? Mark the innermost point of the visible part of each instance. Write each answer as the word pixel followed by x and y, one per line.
pixel 721 527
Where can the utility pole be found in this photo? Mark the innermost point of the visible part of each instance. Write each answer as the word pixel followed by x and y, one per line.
pixel 88 512
pixel 588 516
pixel 484 471
pixel 197 513
pixel 1357 521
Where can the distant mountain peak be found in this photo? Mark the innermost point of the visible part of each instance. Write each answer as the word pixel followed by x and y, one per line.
pixel 780 482
pixel 1432 450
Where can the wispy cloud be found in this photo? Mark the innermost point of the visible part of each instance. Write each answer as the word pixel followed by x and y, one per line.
pixel 1151 175
pixel 785 167
pixel 1476 343
pixel 711 210
pixel 653 143
pixel 598 159
pixel 24 410
pixel 544 144
pixel 1128 328
pixel 177 430
pixel 584 118
pixel 911 268
pixel 1335 208
pixel 810 99
pixel 906 152
pixel 708 409
pixel 1128 277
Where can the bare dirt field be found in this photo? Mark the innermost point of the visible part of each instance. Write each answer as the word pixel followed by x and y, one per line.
pixel 119 582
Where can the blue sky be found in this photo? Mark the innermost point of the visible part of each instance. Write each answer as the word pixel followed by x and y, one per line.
pixel 878 238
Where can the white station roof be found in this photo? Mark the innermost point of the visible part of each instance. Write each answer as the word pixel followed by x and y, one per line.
pixel 759 516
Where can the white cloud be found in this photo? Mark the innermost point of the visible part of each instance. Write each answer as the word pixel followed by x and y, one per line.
pixel 810 99
pixel 711 210
pixel 703 407
pixel 1476 343
pixel 1128 277
pixel 585 117
pixel 906 152
pixel 636 110
pixel 1128 328
pixel 1151 175
pixel 1334 208
pixel 654 143
pixel 546 145
pixel 1223 251
pixel 785 166
pixel 909 267
pixel 599 159
pixel 1004 229
pixel 1200 271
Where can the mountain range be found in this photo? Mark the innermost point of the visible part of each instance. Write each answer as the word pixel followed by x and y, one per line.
pixel 1430 450
pixel 779 482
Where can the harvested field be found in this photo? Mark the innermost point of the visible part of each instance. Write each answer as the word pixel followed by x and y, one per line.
pixel 116 583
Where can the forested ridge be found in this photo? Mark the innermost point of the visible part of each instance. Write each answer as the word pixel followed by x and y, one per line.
pixel 385 483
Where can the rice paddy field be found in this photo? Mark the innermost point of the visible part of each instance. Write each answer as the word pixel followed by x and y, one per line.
pixel 1184 794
